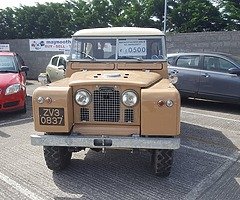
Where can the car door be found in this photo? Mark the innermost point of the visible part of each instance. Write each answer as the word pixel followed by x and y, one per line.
pixel 61 66
pixel 52 69
pixel 21 63
pixel 216 82
pixel 187 69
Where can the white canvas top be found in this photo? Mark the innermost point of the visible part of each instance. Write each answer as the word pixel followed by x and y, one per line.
pixel 118 31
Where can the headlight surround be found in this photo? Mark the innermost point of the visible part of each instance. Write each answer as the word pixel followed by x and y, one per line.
pixel 83 97
pixel 12 89
pixel 129 98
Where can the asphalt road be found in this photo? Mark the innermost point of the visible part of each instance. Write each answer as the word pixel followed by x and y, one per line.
pixel 206 166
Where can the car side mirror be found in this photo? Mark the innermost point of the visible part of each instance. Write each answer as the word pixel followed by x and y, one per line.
pixel 24 68
pixel 61 67
pixel 234 71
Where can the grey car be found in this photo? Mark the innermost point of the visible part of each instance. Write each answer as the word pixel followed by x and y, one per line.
pixel 214 76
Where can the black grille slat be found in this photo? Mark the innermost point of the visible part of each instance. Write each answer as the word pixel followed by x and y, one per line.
pixel 10 104
pixel 84 114
pixel 128 115
pixel 106 105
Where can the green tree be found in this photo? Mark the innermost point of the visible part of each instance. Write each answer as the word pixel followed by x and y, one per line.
pixel 99 15
pixel 156 8
pixel 80 14
pixel 63 19
pixel 117 12
pixel 230 10
pixel 194 16
pixel 43 20
pixel 7 24
pixel 140 14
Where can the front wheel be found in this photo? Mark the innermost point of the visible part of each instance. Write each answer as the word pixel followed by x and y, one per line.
pixel 162 160
pixel 57 158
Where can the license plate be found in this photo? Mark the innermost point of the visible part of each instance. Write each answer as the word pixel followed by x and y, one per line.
pixel 51 116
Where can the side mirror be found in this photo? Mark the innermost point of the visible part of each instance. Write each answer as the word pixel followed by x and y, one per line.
pixel 61 67
pixel 234 71
pixel 24 69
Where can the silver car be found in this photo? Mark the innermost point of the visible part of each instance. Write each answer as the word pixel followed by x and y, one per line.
pixel 214 76
pixel 55 70
pixel 56 67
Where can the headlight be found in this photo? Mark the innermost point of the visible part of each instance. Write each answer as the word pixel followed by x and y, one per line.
pixel 129 98
pixel 83 97
pixel 12 89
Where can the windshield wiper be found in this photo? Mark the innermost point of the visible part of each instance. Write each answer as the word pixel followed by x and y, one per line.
pixel 7 71
pixel 131 57
pixel 88 56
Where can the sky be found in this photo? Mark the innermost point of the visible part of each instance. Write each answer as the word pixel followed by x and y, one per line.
pixel 17 3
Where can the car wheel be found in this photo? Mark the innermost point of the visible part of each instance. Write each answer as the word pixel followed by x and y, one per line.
pixel 57 158
pixel 162 160
pixel 48 79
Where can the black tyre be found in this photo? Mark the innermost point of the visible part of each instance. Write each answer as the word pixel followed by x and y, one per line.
pixel 48 79
pixel 162 160
pixel 57 158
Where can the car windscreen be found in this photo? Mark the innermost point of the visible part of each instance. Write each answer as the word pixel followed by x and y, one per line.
pixel 118 49
pixel 235 59
pixel 7 64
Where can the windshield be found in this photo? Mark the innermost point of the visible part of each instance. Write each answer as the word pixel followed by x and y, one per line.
pixel 7 64
pixel 120 48
pixel 235 59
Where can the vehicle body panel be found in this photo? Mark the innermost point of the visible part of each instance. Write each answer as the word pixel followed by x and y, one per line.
pixel 188 79
pixel 15 75
pixel 160 120
pixel 61 96
pixel 123 78
pixel 209 81
pixel 56 67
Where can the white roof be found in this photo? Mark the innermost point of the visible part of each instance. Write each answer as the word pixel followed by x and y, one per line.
pixel 118 31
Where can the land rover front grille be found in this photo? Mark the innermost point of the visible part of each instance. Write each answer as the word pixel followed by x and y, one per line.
pixel 128 115
pixel 84 114
pixel 106 102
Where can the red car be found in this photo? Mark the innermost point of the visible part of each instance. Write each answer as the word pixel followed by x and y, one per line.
pixel 12 82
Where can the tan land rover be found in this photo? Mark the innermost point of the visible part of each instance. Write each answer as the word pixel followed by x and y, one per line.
pixel 116 95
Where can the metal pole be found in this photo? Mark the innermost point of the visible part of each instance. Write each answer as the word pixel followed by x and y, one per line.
pixel 165 17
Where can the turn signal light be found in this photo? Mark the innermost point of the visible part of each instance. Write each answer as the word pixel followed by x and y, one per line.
pixel 160 103
pixel 168 103
pixel 48 100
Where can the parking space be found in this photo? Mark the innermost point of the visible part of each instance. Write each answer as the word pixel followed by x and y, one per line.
pixel 205 167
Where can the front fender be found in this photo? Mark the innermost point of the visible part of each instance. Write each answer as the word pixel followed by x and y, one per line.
pixel 160 120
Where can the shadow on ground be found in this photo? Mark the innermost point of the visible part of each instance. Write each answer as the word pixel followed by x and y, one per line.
pixel 16 118
pixel 118 174
pixel 211 105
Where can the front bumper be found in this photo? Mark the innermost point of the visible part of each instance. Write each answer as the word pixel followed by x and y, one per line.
pixel 12 102
pixel 133 142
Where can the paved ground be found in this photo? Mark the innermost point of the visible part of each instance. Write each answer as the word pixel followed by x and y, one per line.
pixel 206 166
